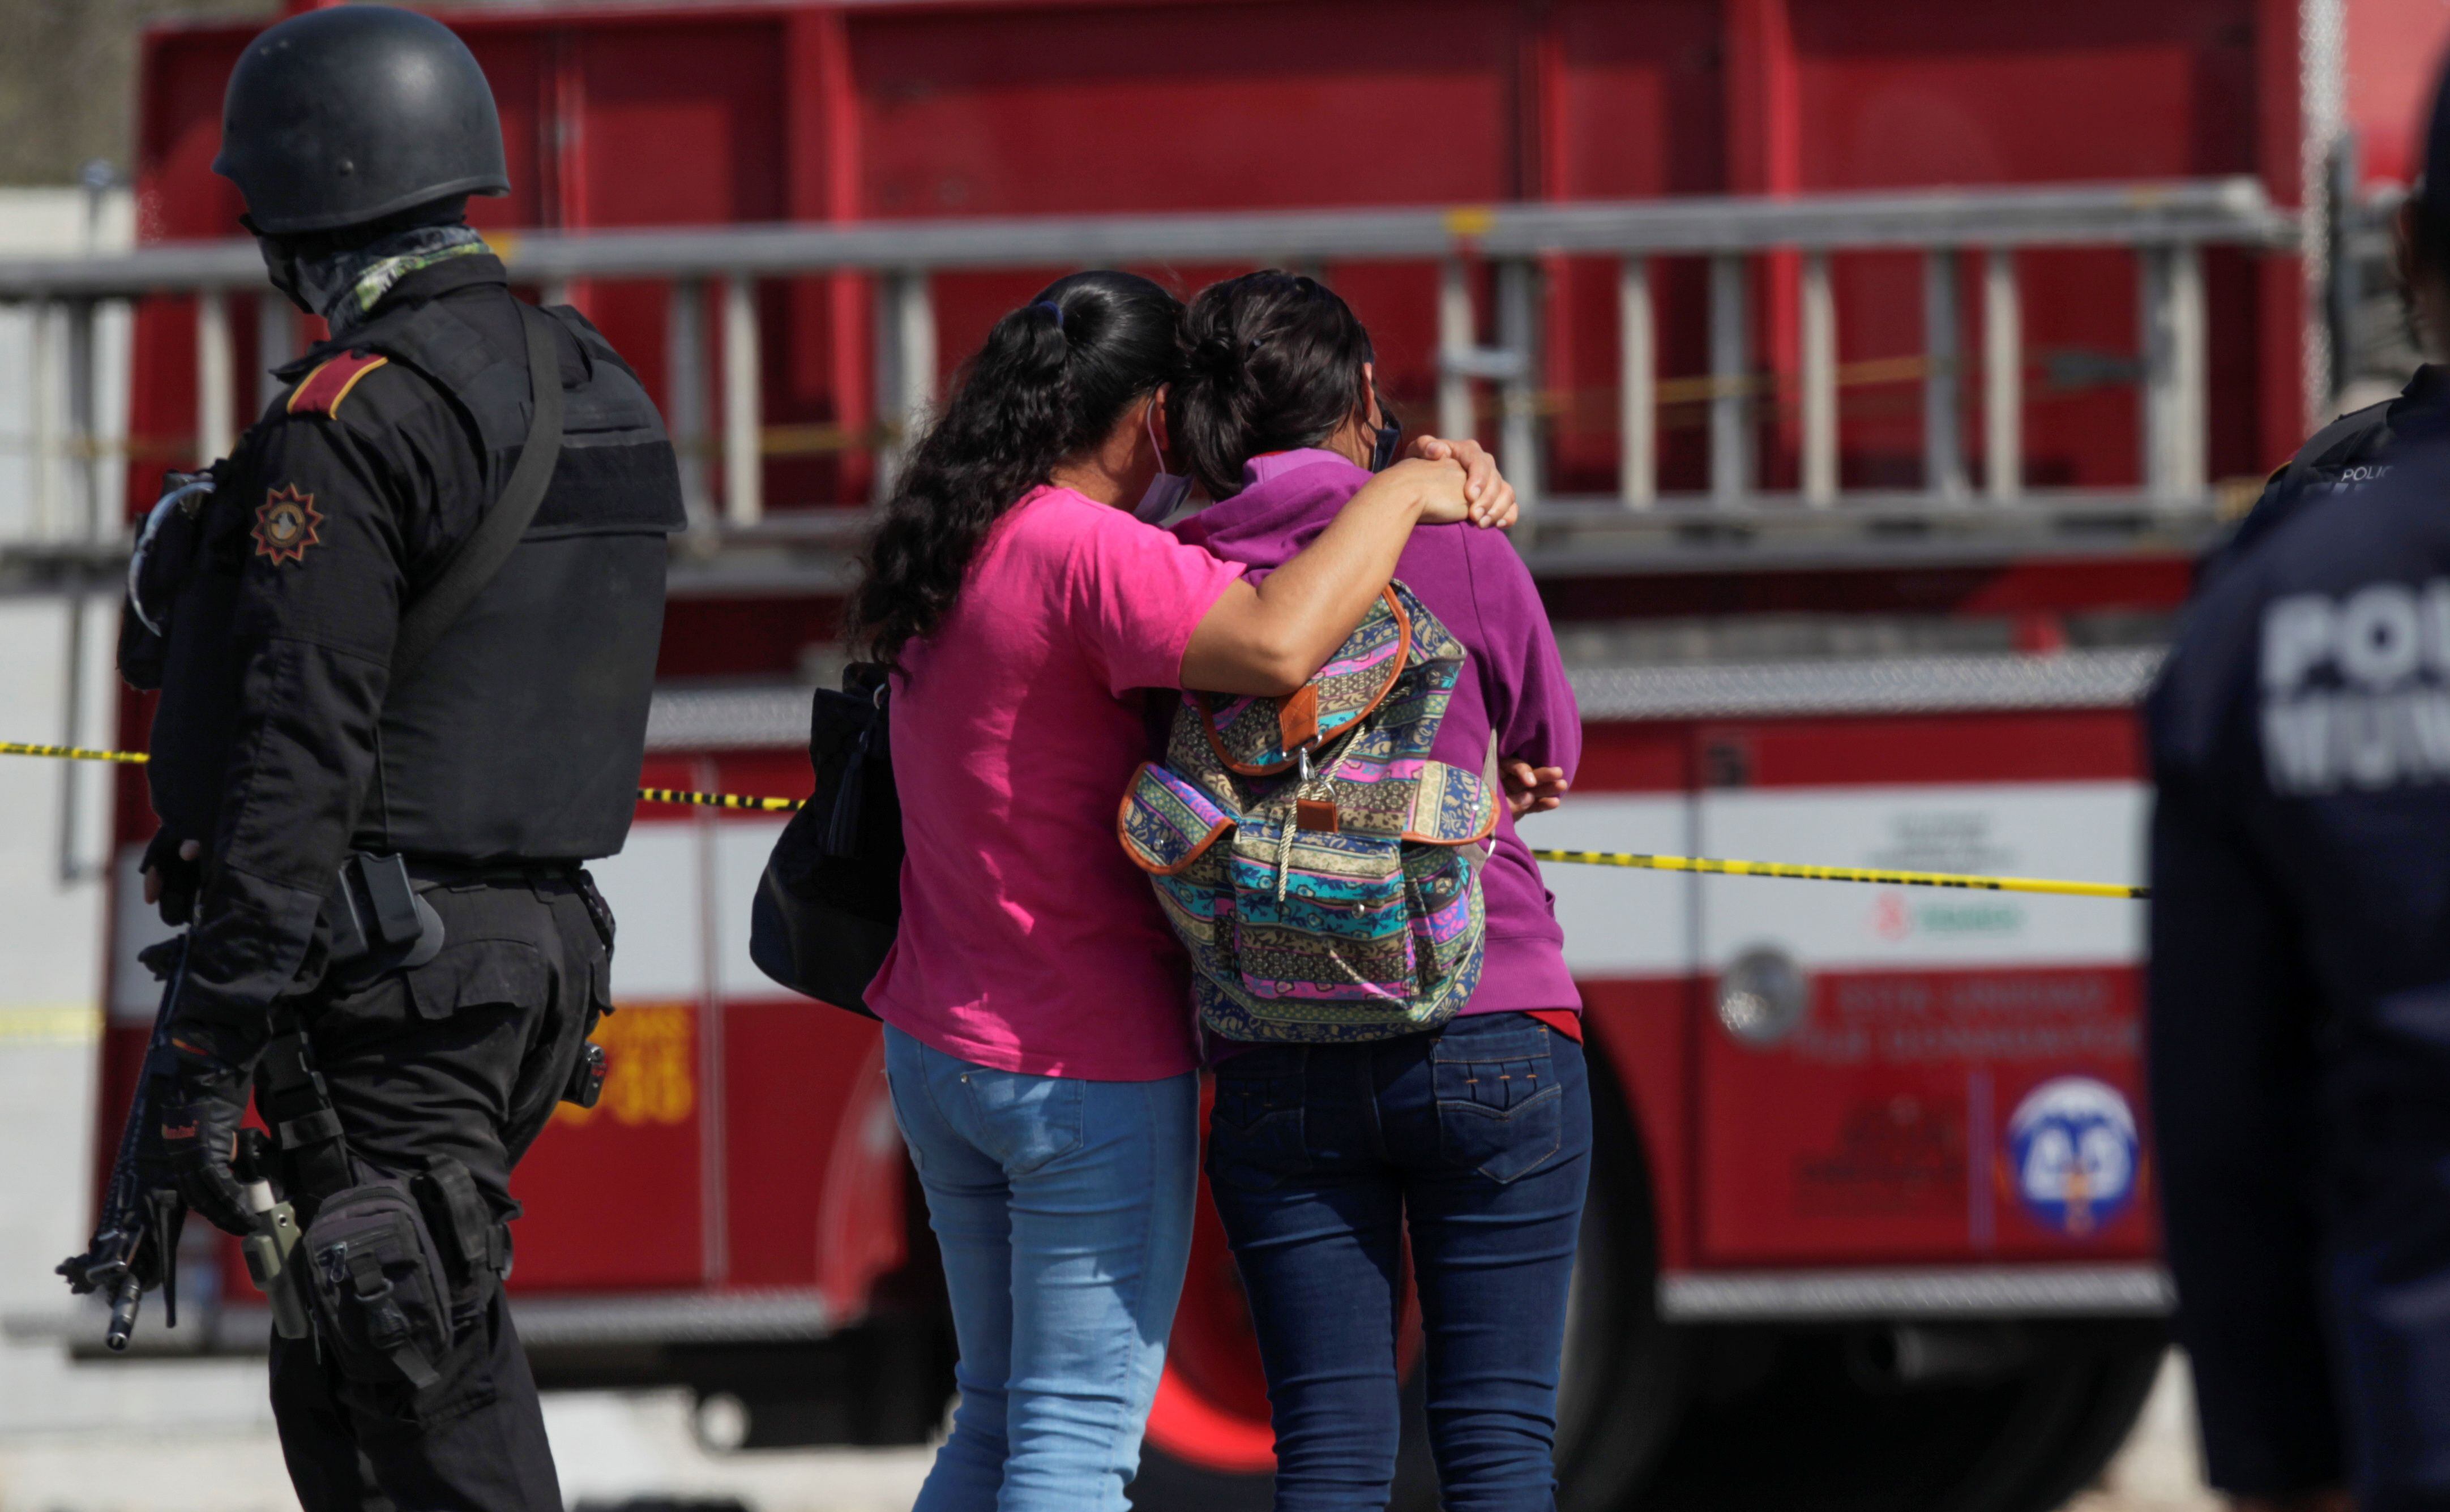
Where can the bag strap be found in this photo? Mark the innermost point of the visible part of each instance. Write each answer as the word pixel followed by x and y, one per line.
pixel 476 1238
pixel 481 556
pixel 387 1328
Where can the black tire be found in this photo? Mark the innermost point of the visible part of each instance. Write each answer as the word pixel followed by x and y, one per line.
pixel 1789 1418
pixel 1621 1392
pixel 2124 1370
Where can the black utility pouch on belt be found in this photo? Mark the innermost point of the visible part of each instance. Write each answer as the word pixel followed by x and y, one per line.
pixel 382 1299
pixel 585 1087
pixel 375 917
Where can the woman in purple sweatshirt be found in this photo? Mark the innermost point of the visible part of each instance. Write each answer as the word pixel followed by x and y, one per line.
pixel 1476 1135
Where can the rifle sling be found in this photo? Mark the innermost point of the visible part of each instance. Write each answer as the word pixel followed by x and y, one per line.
pixel 497 535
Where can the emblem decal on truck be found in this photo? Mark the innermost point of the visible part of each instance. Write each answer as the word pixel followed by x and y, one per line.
pixel 2072 1154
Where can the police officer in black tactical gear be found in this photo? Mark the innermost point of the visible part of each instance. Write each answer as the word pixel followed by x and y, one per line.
pixel 2339 458
pixel 404 641
pixel 2298 1031
pixel 2348 453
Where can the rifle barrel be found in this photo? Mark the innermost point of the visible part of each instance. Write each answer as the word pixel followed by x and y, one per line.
pixel 127 1220
pixel 122 1312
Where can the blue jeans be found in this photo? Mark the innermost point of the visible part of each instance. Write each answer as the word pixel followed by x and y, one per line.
pixel 1064 1210
pixel 1479 1137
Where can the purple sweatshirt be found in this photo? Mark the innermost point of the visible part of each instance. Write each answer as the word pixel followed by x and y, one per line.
pixel 1478 587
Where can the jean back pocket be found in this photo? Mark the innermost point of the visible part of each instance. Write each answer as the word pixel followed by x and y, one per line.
pixel 1024 1121
pixel 1254 1127
pixel 1501 1106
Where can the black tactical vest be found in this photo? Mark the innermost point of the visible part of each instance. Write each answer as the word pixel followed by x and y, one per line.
pixel 520 737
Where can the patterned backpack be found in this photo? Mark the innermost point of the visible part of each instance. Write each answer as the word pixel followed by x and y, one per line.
pixel 1323 871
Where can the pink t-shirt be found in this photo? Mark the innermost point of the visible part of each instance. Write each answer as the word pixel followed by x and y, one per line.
pixel 1029 941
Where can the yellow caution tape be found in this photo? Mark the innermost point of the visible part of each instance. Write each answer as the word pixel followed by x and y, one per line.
pixel 649 795
pixel 41 1024
pixel 1582 857
pixel 74 753
pixel 1844 874
pixel 682 795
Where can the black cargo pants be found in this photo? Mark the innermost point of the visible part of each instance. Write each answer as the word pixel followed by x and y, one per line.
pixel 463 1058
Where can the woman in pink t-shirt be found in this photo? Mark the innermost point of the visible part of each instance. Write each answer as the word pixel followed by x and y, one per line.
pixel 1036 1039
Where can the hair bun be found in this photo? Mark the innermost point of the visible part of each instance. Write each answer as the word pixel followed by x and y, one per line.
pixel 1219 356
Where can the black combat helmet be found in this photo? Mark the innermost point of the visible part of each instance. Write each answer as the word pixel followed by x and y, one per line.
pixel 342 116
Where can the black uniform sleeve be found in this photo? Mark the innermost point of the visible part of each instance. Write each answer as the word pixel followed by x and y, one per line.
pixel 318 609
pixel 2230 1045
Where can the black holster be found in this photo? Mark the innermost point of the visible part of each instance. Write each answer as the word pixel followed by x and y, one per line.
pixel 378 922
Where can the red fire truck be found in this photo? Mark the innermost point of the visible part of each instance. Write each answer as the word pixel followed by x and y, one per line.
pixel 1871 368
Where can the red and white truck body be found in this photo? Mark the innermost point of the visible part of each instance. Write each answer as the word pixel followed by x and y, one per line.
pixel 1874 1165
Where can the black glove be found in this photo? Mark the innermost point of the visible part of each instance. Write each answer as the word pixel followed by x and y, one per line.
pixel 181 880
pixel 162 957
pixel 198 1083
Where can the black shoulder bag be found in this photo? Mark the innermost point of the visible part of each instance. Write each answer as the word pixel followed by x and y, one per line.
pixel 830 902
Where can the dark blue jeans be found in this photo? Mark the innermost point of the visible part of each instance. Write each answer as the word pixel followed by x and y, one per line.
pixel 1479 1138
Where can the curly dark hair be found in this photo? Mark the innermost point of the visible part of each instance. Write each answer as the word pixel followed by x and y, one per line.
pixel 1051 382
pixel 1272 360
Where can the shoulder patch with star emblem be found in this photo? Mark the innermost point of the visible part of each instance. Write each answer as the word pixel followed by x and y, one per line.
pixel 285 525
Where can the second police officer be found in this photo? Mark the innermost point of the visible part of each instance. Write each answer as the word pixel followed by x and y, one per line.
pixel 404 643
pixel 2354 449
pixel 2300 981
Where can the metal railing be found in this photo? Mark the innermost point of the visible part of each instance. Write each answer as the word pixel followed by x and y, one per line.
pixel 2165 225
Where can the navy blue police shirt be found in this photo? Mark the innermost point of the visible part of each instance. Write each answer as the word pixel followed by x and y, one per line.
pixel 2342 457
pixel 2299 1032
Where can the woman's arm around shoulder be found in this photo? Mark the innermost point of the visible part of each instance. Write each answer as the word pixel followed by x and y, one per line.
pixel 1270 638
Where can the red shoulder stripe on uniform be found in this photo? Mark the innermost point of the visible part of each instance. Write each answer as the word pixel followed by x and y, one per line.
pixel 322 391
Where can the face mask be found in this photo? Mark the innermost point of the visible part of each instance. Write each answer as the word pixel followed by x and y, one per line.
pixel 1166 491
pixel 1390 434
pixel 282 270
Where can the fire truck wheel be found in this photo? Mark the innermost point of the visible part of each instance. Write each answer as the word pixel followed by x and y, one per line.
pixel 1622 1385
pixel 2011 1416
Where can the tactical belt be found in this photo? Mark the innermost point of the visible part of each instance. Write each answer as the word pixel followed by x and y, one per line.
pixel 502 874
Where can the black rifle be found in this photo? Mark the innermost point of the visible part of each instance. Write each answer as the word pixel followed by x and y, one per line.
pixel 136 1236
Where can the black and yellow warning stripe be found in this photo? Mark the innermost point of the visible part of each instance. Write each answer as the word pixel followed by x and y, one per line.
pixel 1877 877
pixel 1705 865
pixel 682 795
pixel 645 795
pixel 74 753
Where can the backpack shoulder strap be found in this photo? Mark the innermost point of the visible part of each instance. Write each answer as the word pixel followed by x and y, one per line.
pixel 481 556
